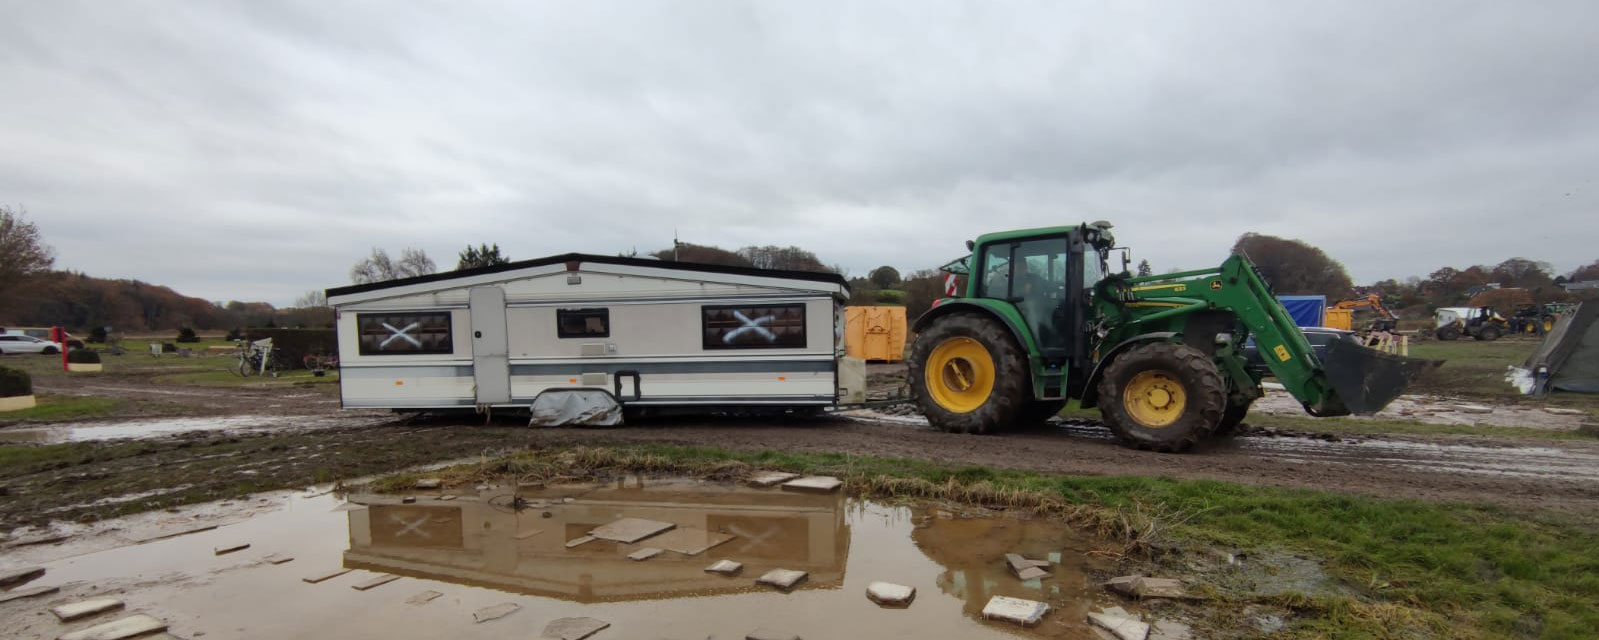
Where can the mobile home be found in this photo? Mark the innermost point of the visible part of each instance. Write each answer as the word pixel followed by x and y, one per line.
pixel 576 337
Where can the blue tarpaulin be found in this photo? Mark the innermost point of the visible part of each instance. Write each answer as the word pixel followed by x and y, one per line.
pixel 1307 311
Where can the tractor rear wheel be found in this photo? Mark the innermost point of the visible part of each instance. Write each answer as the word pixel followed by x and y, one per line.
pixel 1162 396
pixel 968 375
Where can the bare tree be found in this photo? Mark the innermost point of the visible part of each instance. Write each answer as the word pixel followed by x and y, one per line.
pixel 1291 266
pixel 23 255
pixel 379 267
pixel 311 299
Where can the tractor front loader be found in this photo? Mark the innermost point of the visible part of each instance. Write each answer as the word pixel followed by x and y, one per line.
pixel 1040 322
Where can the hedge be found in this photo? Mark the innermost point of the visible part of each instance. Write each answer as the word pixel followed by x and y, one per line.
pixel 83 356
pixel 15 382
pixel 291 346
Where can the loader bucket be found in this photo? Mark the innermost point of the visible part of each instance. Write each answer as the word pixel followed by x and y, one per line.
pixel 1366 380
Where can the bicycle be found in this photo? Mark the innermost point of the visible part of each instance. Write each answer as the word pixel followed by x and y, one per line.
pixel 255 359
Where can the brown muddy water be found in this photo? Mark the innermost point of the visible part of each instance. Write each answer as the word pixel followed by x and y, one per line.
pixel 501 544
pixel 159 427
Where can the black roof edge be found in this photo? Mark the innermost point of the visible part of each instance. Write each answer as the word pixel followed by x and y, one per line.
pixel 813 276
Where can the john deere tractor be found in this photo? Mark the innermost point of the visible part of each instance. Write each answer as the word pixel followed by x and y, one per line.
pixel 1042 321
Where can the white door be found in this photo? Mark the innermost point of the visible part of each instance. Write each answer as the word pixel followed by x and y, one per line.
pixel 491 368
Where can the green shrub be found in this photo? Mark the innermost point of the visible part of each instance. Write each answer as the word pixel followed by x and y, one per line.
pixel 186 334
pixel 14 382
pixel 83 356
pixel 890 296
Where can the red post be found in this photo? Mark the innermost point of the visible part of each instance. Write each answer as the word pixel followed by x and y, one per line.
pixel 59 336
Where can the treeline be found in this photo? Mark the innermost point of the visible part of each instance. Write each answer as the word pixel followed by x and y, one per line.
pixel 81 303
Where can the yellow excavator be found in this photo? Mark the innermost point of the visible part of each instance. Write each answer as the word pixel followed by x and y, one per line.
pixel 1385 321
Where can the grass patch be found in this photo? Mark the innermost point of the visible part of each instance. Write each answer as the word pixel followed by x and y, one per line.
pixel 61 408
pixel 225 378
pixel 1440 569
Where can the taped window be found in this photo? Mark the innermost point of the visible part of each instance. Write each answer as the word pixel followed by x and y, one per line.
pixel 385 334
pixel 763 326
pixel 583 323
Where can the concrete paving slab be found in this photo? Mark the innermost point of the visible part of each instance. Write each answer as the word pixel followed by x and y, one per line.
pixel 1147 587
pixel 184 532
pixel 770 634
pixel 644 554
pixel 890 594
pixel 278 558
pixel 375 582
pixel 429 483
pixel 29 592
pixel 725 567
pixel 1032 573
pixel 815 484
pixel 328 575
pixel 1169 630
pixel 784 579
pixel 496 612
pixel 130 627
pixel 574 628
pixel 20 576
pixel 85 608
pixel 1015 610
pixel 1123 628
pixel 631 530
pixel 1017 562
pixel 689 541
pixel 771 478
pixel 579 541
pixel 230 548
pixel 423 598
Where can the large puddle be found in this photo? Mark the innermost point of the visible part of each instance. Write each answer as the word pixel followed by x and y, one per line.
pixel 157 427
pixel 508 545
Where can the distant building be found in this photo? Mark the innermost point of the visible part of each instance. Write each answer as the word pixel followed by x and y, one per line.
pixel 1585 285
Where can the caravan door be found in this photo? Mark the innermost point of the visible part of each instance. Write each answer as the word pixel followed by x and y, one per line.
pixel 491 370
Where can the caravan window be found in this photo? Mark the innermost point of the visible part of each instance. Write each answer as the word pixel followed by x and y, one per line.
pixel 583 323
pixel 763 326
pixel 385 334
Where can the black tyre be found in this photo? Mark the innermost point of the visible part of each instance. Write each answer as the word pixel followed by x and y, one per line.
pixel 50 351
pixel 1232 417
pixel 1450 332
pixel 1162 396
pixel 968 375
pixel 1488 333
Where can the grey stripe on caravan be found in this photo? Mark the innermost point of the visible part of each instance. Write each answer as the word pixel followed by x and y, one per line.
pixel 646 368
pixel 427 371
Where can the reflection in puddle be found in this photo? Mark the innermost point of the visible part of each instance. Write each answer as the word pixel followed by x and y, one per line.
pixel 496 546
pixel 84 431
pixel 494 540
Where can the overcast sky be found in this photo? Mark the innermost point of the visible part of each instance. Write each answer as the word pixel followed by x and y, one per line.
pixel 254 150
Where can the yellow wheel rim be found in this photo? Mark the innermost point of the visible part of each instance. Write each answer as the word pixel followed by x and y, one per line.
pixel 960 375
pixel 1154 398
pixel 1548 325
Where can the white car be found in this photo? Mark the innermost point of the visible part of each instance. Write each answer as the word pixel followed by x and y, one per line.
pixel 13 343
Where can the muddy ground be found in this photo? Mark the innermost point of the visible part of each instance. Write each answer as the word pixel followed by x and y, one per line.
pixel 295 435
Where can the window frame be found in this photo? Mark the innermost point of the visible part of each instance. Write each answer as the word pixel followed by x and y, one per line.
pixel 804 326
pixel 582 312
pixel 448 347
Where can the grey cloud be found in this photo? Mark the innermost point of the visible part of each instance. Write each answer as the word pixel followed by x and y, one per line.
pixel 255 150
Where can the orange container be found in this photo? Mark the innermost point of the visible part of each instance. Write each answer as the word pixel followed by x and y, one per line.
pixel 875 334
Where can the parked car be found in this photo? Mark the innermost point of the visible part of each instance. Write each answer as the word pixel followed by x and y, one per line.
pixel 42 333
pixel 13 343
pixel 1318 337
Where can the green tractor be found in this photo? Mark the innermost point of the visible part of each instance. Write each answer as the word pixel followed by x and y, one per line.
pixel 1042 321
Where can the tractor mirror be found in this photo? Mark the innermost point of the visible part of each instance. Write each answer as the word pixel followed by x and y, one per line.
pixel 970 245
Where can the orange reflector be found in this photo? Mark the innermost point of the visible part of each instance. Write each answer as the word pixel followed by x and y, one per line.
pixel 781 378
pixel 572 380
pixel 398 382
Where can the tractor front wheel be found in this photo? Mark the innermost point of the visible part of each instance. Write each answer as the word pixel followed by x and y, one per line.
pixel 1450 332
pixel 968 375
pixel 1489 333
pixel 1162 396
